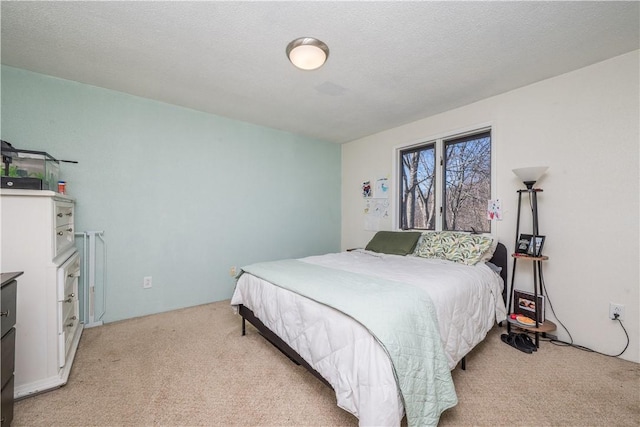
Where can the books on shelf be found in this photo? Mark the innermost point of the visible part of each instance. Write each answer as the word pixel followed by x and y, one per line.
pixel 525 304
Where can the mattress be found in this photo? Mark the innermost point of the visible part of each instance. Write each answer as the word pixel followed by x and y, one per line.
pixel 468 301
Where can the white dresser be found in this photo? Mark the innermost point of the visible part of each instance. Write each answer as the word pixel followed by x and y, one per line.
pixel 38 238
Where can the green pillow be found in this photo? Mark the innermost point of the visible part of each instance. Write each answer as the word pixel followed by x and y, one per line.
pixel 394 242
pixel 455 246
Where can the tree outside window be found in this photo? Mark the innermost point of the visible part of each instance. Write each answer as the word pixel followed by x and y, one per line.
pixel 418 188
pixel 465 168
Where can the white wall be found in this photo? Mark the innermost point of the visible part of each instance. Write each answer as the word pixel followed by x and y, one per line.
pixel 584 125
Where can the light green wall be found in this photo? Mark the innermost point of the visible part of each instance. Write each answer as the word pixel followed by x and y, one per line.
pixel 181 195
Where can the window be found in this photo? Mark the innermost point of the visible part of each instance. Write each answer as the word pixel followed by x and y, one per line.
pixel 445 184
pixel 417 207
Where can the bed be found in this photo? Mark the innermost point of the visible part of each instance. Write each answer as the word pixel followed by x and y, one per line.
pixel 383 326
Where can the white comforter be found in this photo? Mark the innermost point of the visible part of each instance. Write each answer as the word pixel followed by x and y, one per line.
pixel 468 302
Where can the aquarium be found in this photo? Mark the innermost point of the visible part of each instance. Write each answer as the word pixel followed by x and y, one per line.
pixel 31 164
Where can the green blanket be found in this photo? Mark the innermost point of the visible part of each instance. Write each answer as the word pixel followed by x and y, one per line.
pixel 400 316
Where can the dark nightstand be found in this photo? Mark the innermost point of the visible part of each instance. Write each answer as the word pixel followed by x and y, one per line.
pixel 8 316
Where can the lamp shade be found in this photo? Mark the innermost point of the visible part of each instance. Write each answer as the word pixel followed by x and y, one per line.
pixel 530 175
pixel 307 53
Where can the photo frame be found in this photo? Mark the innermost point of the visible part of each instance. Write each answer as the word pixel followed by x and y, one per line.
pixel 526 246
pixel 524 242
pixel 535 248
pixel 525 304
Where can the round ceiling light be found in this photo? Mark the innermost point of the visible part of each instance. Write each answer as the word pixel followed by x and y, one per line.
pixel 307 53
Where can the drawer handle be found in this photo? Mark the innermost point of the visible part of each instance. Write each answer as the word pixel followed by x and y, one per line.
pixel 69 230
pixel 60 215
pixel 60 233
pixel 69 325
pixel 5 313
pixel 69 214
pixel 68 300
pixel 73 317
pixel 71 295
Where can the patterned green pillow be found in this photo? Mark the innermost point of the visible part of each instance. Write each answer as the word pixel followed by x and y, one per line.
pixel 431 245
pixel 454 246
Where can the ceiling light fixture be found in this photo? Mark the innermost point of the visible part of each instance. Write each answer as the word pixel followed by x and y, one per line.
pixel 307 53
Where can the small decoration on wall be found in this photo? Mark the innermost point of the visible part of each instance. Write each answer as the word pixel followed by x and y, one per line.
pixel 382 189
pixel 366 189
pixel 374 212
pixel 494 210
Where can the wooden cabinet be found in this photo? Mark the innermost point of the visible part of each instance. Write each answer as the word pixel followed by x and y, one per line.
pixel 8 345
pixel 38 239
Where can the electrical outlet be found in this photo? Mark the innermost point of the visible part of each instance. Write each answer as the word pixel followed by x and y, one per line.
pixel 146 282
pixel 616 309
pixel 233 271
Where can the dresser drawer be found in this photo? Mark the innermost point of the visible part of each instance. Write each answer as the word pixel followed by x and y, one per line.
pixel 67 282
pixel 68 305
pixel 64 226
pixel 8 352
pixel 66 313
pixel 65 339
pixel 8 306
pixel 64 213
pixel 7 403
pixel 71 326
pixel 64 238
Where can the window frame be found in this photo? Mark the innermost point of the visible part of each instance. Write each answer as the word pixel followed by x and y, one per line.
pixel 458 140
pixel 439 143
pixel 427 145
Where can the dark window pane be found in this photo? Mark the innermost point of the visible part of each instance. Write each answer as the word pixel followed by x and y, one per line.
pixel 417 187
pixel 467 183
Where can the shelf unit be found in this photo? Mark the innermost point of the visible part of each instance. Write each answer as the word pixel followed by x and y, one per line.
pixel 536 262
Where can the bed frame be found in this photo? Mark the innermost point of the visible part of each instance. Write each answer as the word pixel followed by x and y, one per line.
pixel 499 259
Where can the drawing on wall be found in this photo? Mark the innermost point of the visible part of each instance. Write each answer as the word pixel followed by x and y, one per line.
pixel 381 189
pixel 375 210
pixel 366 189
pixel 494 210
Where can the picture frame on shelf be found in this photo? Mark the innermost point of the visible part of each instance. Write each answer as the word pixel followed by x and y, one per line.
pixel 535 248
pixel 526 246
pixel 524 242
pixel 525 304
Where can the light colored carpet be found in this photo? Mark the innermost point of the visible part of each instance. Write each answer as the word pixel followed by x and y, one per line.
pixel 192 367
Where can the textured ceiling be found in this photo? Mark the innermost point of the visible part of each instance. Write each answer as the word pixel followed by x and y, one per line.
pixel 390 63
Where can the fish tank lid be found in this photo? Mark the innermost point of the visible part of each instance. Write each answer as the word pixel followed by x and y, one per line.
pixel 10 151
